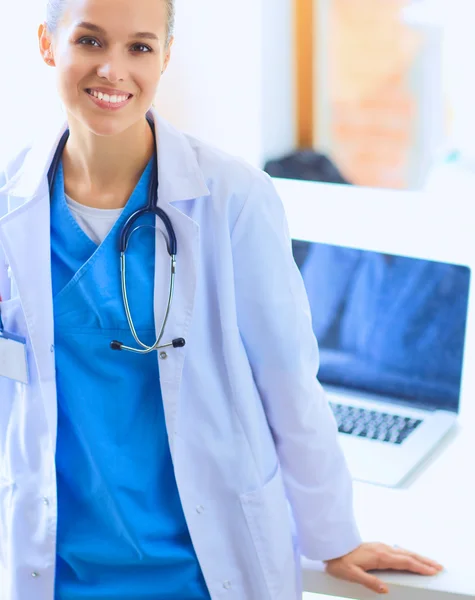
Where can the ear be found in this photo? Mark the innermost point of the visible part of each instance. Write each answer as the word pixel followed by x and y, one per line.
pixel 167 55
pixel 45 43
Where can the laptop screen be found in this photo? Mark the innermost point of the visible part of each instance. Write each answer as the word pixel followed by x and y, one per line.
pixel 388 326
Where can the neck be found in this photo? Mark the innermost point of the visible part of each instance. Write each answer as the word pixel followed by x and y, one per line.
pixel 102 171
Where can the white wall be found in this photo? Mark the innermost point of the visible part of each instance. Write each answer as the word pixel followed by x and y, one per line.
pixel 27 85
pixel 230 80
pixel 279 127
pixel 212 88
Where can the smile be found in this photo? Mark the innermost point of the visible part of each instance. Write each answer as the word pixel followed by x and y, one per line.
pixel 109 101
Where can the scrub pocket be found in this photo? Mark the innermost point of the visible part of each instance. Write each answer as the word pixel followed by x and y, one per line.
pixel 267 515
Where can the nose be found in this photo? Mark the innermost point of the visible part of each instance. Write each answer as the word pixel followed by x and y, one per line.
pixel 112 68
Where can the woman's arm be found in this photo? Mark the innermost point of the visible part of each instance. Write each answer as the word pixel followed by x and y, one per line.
pixel 276 328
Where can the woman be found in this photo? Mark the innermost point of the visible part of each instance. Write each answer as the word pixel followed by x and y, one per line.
pixel 162 474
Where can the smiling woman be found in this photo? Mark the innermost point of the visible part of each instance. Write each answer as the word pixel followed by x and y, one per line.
pixel 89 41
pixel 152 468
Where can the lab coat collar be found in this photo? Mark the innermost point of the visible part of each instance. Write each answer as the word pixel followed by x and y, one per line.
pixel 180 176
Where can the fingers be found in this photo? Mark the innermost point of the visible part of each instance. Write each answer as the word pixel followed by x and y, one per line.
pixel 357 566
pixel 357 575
pixel 422 559
pixel 407 563
pixel 402 560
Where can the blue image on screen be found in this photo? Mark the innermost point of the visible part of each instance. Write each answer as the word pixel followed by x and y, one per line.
pixel 387 325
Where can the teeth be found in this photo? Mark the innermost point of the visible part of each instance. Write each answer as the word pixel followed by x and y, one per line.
pixel 114 99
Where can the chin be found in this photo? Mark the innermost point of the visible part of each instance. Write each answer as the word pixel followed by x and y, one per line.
pixel 103 122
pixel 105 125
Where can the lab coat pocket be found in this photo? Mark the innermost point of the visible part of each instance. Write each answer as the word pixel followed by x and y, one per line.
pixel 11 314
pixel 267 515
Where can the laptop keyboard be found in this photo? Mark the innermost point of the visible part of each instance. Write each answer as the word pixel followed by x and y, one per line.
pixel 372 424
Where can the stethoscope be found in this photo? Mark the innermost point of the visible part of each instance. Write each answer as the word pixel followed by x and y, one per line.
pixel 125 235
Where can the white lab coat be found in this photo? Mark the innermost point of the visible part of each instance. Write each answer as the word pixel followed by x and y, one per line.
pixel 247 421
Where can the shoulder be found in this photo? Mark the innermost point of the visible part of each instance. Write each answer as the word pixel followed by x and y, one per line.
pixel 13 165
pixel 225 173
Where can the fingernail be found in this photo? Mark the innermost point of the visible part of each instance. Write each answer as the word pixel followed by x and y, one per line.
pixel 383 590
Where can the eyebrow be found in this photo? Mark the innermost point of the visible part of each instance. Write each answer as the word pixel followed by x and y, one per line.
pixel 146 35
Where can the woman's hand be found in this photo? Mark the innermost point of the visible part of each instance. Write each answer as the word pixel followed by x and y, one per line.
pixel 367 557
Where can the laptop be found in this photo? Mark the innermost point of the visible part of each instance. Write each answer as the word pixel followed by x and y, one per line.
pixel 388 276
pixel 391 332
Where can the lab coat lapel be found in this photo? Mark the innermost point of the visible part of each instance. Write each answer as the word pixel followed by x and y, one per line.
pixel 180 179
pixel 179 321
pixel 25 237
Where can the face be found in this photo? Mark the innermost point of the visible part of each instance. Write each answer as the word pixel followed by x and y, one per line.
pixel 109 56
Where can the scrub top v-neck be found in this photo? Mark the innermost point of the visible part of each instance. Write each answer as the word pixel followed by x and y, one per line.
pixel 122 534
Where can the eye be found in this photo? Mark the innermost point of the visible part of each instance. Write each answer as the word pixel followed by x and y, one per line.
pixel 89 41
pixel 141 48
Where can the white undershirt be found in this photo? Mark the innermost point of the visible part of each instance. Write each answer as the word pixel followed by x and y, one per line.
pixel 95 222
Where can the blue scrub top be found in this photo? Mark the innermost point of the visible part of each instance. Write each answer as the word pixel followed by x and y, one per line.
pixel 122 534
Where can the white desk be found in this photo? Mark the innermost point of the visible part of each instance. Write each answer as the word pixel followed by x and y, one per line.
pixel 434 514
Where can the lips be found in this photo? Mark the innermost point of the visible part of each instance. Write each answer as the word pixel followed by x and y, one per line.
pixel 109 95
pixel 108 101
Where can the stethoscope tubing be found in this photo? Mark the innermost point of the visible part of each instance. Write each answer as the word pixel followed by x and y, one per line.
pixel 125 236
